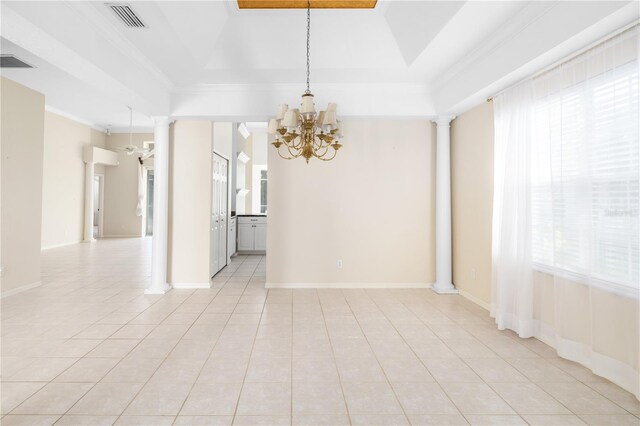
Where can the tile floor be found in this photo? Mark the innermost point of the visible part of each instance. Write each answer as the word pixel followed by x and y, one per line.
pixel 88 347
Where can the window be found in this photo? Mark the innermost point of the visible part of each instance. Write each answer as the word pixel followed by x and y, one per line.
pixel 585 183
pixel 263 191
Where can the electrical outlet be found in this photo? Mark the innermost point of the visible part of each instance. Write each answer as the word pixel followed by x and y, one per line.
pixel 340 264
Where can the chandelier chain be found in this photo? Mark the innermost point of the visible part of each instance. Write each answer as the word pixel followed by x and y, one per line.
pixel 308 43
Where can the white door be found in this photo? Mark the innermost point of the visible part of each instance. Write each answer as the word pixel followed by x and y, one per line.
pixel 222 243
pixel 260 236
pixel 215 217
pixel 245 236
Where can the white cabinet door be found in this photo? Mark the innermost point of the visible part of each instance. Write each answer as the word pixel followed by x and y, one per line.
pixel 260 238
pixel 245 236
pixel 222 203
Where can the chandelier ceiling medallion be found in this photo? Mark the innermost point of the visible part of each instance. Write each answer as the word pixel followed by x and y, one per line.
pixel 303 132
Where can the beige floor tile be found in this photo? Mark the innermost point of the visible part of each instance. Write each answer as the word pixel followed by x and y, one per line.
pixel 90 370
pixel 476 398
pixel 437 420
pixel 145 421
pixel 178 370
pixel 203 421
pixel 320 420
pixel 552 420
pixel 74 420
pixel 106 399
pixel 262 420
pixel 540 370
pixel 212 399
pixel 14 393
pixel 153 348
pixel 113 348
pixel 318 398
pixel 451 370
pixel 265 399
pixel 610 419
pixel 42 370
pixel 54 398
pixel 133 370
pixel 370 398
pixel 379 420
pixel 581 399
pixel 423 398
pixel 29 420
pixel 97 331
pixel 315 369
pixel 495 370
pixel 158 399
pixel 224 370
pixel 133 331
pixel 498 420
pixel 360 370
pixel 527 398
pixel 269 370
pixel 618 395
pixel 407 369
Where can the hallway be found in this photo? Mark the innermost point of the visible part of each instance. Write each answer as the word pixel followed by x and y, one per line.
pixel 88 347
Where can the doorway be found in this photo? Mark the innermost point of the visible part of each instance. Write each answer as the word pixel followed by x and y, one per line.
pixel 98 200
pixel 149 220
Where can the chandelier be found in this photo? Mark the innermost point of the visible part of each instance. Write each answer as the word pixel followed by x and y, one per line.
pixel 303 132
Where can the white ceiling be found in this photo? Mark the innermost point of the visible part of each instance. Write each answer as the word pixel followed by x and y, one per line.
pixel 211 59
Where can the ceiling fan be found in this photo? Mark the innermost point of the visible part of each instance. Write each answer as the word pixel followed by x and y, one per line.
pixel 131 148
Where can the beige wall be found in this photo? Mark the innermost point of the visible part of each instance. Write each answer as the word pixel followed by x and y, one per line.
pixel 471 199
pixel 21 147
pixel 191 146
pixel 372 207
pixel 63 178
pixel 121 189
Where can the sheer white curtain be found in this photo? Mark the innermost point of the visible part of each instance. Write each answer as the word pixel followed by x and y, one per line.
pixel 566 235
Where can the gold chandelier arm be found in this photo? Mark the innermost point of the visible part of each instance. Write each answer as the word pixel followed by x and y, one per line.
pixel 326 159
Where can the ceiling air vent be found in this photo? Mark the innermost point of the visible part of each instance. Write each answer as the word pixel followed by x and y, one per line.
pixel 126 15
pixel 10 61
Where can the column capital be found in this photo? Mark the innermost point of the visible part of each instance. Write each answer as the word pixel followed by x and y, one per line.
pixel 443 120
pixel 162 120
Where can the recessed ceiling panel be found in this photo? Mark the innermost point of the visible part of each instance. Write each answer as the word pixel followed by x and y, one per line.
pixel 302 4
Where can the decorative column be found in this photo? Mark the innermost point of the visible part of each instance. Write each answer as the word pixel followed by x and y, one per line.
pixel 443 284
pixel 159 283
pixel 88 201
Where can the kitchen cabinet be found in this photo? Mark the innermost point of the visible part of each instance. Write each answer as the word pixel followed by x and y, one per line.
pixel 252 233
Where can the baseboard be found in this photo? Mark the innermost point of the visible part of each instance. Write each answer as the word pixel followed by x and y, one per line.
pixel 190 285
pixel 120 236
pixel 348 285
pixel 474 299
pixel 60 245
pixel 20 289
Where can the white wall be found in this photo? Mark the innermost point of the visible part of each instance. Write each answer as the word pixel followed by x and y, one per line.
pixel 21 147
pixel 121 189
pixel 371 207
pixel 191 146
pixel 63 179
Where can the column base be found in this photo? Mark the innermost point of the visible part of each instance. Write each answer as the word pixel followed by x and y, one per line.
pixel 92 240
pixel 154 290
pixel 444 288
